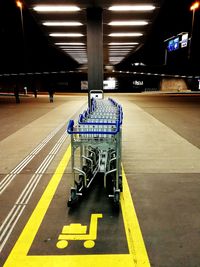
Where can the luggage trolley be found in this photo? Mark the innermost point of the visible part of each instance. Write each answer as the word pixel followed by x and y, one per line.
pixel 96 148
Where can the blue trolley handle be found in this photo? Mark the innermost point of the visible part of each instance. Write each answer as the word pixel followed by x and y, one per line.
pixel 81 118
pixel 85 114
pixel 81 122
pixel 71 126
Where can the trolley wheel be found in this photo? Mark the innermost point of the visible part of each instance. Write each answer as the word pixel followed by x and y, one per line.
pixel 120 184
pixel 73 198
pixel 80 183
pixel 109 184
pixel 116 198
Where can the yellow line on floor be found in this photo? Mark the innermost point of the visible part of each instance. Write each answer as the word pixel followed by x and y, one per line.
pixel 133 232
pixel 137 256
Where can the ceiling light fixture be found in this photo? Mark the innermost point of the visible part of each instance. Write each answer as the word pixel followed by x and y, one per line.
pixel 56 8
pixel 62 23
pixel 132 8
pixel 121 47
pixel 70 44
pixel 65 34
pixel 134 43
pixel 73 48
pixel 119 51
pixel 113 55
pixel 125 34
pixel 128 23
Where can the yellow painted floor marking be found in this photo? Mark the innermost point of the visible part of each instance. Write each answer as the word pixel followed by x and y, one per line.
pixel 133 233
pixel 136 258
pixel 76 231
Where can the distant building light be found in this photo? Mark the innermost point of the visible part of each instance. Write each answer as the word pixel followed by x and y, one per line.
pixel 19 4
pixel 194 6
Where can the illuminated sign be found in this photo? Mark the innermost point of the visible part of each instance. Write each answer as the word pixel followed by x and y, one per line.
pixel 109 84
pixel 138 83
pixel 184 40
pixel 173 44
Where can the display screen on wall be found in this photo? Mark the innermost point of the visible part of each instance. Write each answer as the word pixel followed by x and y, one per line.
pixel 173 44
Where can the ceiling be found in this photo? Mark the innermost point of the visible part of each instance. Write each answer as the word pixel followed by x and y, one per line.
pixel 33 50
pixel 116 48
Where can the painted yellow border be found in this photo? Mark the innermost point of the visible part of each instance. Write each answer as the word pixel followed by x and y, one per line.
pixel 137 258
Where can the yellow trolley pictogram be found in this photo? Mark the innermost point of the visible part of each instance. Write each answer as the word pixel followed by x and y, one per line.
pixel 76 231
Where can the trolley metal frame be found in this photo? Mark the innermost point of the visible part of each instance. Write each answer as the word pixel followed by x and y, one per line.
pixel 96 148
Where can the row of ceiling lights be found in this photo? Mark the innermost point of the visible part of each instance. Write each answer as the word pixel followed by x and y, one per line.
pixel 117 51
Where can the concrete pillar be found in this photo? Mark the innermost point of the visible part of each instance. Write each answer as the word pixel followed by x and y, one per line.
pixel 95 48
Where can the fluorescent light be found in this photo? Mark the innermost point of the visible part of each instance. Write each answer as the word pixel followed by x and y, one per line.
pixel 73 50
pixel 117 52
pixel 116 58
pixel 123 43
pixel 55 8
pixel 128 23
pixel 76 52
pixel 125 34
pixel 114 55
pixel 65 34
pixel 132 8
pixel 62 23
pixel 78 56
pixel 121 47
pixel 120 50
pixel 74 47
pixel 69 44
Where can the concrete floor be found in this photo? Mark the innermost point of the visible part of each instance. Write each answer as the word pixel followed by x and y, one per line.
pixel 161 158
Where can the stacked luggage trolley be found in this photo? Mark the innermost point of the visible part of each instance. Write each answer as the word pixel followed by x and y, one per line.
pixel 96 149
